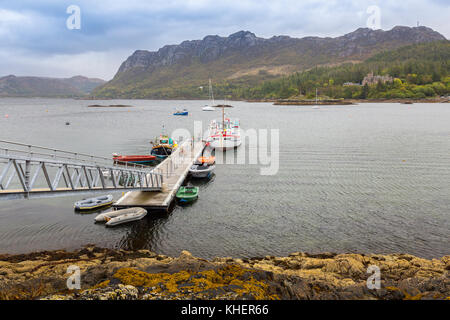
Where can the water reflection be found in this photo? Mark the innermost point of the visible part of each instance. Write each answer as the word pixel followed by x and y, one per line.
pixel 143 234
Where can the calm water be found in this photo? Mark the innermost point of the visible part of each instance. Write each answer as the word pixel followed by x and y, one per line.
pixel 372 178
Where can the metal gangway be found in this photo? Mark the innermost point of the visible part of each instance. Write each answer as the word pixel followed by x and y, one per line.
pixel 29 171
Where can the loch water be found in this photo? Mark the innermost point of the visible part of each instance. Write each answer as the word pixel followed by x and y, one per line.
pixel 367 178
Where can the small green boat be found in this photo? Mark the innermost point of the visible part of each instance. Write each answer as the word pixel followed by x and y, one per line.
pixel 187 194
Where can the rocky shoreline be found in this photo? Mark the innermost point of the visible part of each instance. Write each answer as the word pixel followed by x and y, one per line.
pixel 107 274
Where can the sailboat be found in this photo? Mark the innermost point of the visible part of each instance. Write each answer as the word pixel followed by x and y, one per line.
pixel 224 135
pixel 211 99
pixel 316 106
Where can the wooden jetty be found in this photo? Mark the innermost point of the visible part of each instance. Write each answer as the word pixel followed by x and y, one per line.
pixel 174 169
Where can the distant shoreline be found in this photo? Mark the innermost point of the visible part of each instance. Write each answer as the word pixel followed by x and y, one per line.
pixel 291 101
pixel 348 101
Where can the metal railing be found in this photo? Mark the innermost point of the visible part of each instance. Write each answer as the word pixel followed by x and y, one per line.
pixel 78 172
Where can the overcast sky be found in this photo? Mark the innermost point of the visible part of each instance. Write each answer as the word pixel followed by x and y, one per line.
pixel 35 40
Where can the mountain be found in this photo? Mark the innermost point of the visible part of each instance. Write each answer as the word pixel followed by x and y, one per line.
pixel 178 71
pixel 12 86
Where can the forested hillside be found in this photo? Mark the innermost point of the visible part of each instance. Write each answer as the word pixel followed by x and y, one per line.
pixel 419 71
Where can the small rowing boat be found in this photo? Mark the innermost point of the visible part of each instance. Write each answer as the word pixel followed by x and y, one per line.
pixel 138 159
pixel 187 194
pixel 201 171
pixel 183 112
pixel 94 203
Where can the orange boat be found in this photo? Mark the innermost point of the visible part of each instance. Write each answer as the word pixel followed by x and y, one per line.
pixel 208 160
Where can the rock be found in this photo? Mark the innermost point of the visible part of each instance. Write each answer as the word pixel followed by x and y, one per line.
pixel 297 276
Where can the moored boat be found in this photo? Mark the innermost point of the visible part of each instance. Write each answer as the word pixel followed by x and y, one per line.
pixel 94 203
pixel 106 216
pixel 183 112
pixel 201 170
pixel 187 194
pixel 163 146
pixel 225 134
pixel 211 99
pixel 208 160
pixel 132 214
pixel 138 159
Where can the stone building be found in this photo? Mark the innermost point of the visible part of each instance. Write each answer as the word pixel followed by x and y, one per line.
pixel 370 79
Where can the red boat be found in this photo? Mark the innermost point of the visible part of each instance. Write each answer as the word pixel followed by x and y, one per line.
pixel 134 159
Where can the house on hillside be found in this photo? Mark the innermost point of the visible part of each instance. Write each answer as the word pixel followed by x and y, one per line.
pixel 371 79
pixel 350 84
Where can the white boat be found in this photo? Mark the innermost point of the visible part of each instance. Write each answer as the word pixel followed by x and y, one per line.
pixel 201 170
pixel 224 135
pixel 103 217
pixel 117 217
pixel 211 99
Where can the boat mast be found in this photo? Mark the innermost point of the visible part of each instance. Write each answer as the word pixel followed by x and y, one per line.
pixel 223 120
pixel 211 94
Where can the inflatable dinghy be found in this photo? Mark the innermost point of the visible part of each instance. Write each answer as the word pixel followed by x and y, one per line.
pixel 127 215
pixel 94 203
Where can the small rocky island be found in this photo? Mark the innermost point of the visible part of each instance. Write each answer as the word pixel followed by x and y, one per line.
pixel 108 274
pixel 110 106
pixel 322 102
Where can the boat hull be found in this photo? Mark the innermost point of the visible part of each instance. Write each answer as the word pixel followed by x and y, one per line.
pixel 224 144
pixel 161 152
pixel 144 159
pixel 197 171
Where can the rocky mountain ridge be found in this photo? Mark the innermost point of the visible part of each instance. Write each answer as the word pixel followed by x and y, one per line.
pixel 213 47
pixel 177 71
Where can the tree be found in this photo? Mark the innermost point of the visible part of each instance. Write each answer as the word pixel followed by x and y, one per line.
pixel 365 92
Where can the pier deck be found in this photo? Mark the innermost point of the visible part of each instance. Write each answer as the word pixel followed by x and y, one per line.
pixel 174 168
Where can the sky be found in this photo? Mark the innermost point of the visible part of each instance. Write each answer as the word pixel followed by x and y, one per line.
pixel 43 38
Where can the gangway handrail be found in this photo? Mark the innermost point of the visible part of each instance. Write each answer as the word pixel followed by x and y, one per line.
pixel 91 158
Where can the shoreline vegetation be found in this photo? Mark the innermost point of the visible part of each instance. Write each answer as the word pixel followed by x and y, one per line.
pixel 109 274
pixel 307 102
